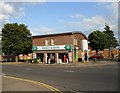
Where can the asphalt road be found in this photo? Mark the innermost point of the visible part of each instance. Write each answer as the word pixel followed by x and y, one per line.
pixel 96 78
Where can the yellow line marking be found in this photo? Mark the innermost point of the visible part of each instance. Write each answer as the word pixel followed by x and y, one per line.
pixel 11 63
pixel 55 90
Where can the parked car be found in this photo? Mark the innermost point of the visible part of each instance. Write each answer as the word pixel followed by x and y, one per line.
pixel 96 56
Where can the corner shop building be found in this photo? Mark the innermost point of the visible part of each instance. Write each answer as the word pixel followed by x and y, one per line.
pixel 59 47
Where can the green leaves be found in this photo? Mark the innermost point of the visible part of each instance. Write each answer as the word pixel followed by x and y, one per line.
pixel 101 40
pixel 15 39
pixel 97 40
pixel 112 41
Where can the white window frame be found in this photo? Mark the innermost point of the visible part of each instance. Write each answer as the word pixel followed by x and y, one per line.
pixel 46 42
pixel 52 41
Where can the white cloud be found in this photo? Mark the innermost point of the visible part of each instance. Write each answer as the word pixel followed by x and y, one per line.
pixel 85 24
pixel 73 24
pixel 10 10
pixel 43 30
pixel 78 16
pixel 3 17
pixel 97 22
pixel 6 8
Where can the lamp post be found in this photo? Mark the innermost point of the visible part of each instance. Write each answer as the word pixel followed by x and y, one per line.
pixel 32 48
pixel 0 47
pixel 110 51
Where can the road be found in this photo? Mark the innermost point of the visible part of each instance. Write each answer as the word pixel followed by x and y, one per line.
pixel 91 78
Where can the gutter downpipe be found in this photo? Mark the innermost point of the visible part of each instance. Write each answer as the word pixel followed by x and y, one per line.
pixel 73 47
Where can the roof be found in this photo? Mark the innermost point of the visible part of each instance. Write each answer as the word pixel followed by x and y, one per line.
pixel 57 34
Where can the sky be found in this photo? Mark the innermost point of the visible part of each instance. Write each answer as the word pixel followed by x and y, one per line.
pixel 58 17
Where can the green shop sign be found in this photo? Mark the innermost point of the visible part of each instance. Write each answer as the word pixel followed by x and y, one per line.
pixel 34 48
pixel 56 47
pixel 68 47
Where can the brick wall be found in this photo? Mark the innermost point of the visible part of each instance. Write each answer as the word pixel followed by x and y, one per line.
pixel 92 52
pixel 79 37
pixel 59 40
pixel 106 53
pixel 24 57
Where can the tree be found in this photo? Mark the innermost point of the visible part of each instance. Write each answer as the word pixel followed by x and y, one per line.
pixel 97 40
pixel 16 39
pixel 100 40
pixel 112 41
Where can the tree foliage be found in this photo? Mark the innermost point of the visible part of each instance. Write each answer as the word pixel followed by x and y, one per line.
pixel 97 40
pixel 16 39
pixel 112 41
pixel 101 40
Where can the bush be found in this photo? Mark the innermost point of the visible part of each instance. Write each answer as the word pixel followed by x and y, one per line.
pixel 28 60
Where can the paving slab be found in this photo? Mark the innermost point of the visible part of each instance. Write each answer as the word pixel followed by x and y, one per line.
pixel 9 84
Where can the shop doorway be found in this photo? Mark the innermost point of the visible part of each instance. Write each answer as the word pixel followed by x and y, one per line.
pixel 40 56
pixel 50 58
pixel 63 57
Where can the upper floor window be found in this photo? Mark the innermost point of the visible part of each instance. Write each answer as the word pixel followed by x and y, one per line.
pixel 52 42
pixel 46 42
pixel 75 42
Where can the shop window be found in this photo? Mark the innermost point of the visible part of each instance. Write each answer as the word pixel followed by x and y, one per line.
pixel 46 42
pixel 52 42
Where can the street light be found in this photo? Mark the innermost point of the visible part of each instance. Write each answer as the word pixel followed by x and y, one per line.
pixel 0 47
pixel 110 51
pixel 32 49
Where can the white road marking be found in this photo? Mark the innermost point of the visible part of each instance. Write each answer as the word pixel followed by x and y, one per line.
pixel 69 71
pixel 28 69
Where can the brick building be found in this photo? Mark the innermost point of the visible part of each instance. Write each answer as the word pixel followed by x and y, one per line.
pixel 60 47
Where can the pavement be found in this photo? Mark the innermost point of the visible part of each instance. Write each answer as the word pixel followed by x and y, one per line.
pixel 10 83
pixel 73 64
pixel 15 84
pixel 78 64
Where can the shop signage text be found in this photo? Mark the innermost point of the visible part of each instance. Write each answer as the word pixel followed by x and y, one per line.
pixel 57 47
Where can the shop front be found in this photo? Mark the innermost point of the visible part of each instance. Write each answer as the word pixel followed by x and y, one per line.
pixel 53 54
